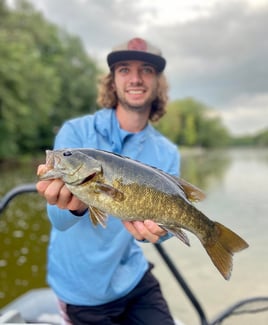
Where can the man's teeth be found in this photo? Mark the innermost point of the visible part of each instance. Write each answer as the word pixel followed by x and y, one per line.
pixel 135 92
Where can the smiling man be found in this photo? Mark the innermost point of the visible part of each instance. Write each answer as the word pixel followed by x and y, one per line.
pixel 101 276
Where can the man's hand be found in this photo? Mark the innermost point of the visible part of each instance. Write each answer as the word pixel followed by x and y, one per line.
pixel 56 193
pixel 148 230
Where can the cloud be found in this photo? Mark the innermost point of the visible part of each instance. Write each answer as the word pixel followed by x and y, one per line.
pixel 216 53
pixel 245 113
pixel 100 24
pixel 220 56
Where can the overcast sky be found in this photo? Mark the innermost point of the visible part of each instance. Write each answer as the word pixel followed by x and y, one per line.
pixel 216 50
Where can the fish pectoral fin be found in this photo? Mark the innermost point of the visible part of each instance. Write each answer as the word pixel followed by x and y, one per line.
pixel 179 233
pixel 97 216
pixel 110 191
pixel 193 193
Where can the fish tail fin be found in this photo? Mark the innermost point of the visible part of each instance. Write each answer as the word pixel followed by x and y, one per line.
pixel 221 251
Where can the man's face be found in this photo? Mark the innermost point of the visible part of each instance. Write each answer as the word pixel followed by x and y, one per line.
pixel 135 83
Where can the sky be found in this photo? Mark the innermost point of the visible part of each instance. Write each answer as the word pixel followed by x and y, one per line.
pixel 216 50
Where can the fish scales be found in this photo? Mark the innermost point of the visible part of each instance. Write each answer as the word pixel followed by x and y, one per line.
pixel 140 201
pixel 112 184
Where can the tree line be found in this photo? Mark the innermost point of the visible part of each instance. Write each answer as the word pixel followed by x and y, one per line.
pixel 46 77
pixel 190 123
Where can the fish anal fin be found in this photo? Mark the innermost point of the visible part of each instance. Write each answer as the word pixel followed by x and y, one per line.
pixel 221 251
pixel 110 191
pixel 179 233
pixel 97 216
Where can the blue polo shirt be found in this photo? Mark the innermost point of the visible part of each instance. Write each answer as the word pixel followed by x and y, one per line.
pixel 90 265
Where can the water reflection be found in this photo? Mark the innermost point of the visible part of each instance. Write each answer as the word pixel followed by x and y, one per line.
pixel 203 167
pixel 24 230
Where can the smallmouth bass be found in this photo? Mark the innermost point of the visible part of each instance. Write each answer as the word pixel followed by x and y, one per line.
pixel 112 184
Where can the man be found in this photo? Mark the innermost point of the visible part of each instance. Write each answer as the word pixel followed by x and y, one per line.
pixel 101 275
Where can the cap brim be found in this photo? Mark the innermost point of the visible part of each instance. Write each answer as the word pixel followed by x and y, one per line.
pixel 158 61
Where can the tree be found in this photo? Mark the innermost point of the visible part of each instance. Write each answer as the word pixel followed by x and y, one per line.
pixel 27 90
pixel 190 123
pixel 78 81
pixel 261 139
pixel 46 77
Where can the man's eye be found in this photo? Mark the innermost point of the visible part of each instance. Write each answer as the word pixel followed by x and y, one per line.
pixel 123 70
pixel 148 70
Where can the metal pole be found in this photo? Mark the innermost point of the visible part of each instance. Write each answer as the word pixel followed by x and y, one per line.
pixel 25 188
pixel 182 283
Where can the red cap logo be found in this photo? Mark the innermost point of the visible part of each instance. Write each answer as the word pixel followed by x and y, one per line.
pixel 137 44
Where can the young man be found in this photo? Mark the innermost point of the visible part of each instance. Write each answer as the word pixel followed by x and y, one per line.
pixel 101 275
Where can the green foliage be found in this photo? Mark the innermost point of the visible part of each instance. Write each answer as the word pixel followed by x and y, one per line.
pixel 45 77
pixel 190 123
pixel 259 140
pixel 79 81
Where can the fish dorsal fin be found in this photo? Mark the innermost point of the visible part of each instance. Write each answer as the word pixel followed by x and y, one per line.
pixel 193 193
pixel 110 191
pixel 97 216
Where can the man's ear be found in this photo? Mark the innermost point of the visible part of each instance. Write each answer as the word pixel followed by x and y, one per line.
pixel 113 87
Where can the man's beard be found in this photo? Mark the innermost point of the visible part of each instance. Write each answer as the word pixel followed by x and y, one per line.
pixel 142 107
pixel 134 108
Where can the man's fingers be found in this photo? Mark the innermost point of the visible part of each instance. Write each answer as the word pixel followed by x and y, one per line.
pixel 147 230
pixel 154 228
pixel 132 229
pixel 41 186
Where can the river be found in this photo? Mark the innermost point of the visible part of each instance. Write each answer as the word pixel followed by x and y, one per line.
pixel 235 182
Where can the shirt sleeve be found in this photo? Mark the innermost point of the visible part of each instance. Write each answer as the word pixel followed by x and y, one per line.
pixel 71 135
pixel 63 219
pixel 175 165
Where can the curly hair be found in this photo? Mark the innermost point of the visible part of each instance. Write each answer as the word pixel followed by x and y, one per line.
pixel 107 96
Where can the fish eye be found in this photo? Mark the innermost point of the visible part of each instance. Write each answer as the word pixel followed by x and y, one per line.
pixel 67 153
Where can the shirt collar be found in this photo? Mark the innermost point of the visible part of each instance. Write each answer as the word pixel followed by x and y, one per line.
pixel 106 123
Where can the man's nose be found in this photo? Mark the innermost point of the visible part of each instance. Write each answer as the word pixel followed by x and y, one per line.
pixel 136 77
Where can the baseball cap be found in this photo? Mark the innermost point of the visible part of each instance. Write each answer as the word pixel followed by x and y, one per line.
pixel 137 49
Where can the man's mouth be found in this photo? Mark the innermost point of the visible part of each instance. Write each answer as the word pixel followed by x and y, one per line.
pixel 135 92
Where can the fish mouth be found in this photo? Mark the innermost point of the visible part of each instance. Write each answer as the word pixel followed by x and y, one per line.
pixel 48 171
pixel 51 170
pixel 44 172
pixel 50 158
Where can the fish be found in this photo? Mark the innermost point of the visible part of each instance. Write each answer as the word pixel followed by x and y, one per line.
pixel 112 184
